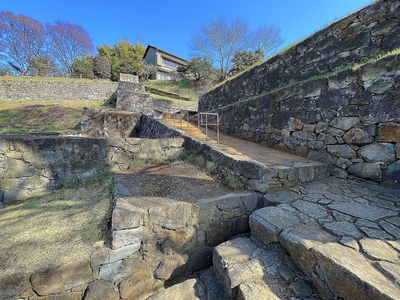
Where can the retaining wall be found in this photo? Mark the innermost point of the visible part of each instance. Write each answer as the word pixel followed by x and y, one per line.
pixel 31 165
pixel 350 120
pixel 350 40
pixel 26 89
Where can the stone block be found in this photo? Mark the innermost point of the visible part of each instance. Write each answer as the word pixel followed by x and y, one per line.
pixel 170 267
pixel 102 290
pixel 366 170
pixel 234 263
pixel 342 151
pixel 358 137
pixel 60 278
pixel 378 152
pixel 174 215
pixel 347 272
pixel 13 285
pixel 200 258
pixel 113 271
pixel 344 123
pixel 267 223
pixel 391 176
pixel 126 215
pixel 140 283
pixel 189 290
pixel 255 290
pixel 127 237
pixel 389 132
pixel 299 240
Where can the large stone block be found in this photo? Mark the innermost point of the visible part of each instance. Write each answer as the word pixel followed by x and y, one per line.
pixel 267 223
pixel 389 132
pixel 60 278
pixel 342 151
pixel 357 136
pixel 366 170
pixel 347 272
pixel 102 290
pixel 138 285
pixel 378 152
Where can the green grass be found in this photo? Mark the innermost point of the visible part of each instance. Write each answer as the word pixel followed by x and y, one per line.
pixel 181 87
pixel 42 115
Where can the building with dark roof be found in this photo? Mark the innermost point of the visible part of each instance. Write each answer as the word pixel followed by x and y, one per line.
pixel 166 63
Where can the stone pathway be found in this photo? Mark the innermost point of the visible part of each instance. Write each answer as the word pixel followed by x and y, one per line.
pixel 344 234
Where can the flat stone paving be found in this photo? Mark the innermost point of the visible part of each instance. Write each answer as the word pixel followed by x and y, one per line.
pixel 345 234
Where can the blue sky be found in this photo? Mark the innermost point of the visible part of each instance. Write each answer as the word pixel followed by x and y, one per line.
pixel 170 25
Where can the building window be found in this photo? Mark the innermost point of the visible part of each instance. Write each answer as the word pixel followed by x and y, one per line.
pixel 169 64
pixel 164 76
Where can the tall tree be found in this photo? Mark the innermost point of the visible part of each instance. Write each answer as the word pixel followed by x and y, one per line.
pixel 101 67
pixel 199 71
pixel 219 40
pixel 83 68
pixel 68 42
pixel 43 66
pixel 21 40
pixel 267 38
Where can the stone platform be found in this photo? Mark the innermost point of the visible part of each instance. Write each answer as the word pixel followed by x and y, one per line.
pixel 261 168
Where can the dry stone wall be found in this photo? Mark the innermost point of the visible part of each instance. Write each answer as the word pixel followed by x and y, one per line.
pixel 31 165
pixel 359 36
pixel 133 97
pixel 350 120
pixel 27 89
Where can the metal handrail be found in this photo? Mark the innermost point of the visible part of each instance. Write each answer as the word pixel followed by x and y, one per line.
pixel 200 121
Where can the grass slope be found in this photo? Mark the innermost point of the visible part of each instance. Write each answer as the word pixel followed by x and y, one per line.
pixel 56 228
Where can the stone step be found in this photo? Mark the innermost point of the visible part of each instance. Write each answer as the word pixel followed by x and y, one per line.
pixel 250 271
pixel 342 234
pixel 261 168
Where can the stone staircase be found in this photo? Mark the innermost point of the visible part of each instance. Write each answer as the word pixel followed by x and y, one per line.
pixel 314 238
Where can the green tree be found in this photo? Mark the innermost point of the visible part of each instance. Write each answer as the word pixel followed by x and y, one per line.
pixel 83 68
pixel 244 59
pixel 199 71
pixel 43 66
pixel 124 57
pixel 101 67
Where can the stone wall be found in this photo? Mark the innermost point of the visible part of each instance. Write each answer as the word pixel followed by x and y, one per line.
pixel 31 165
pixel 54 89
pixel 350 120
pixel 350 40
pixel 133 97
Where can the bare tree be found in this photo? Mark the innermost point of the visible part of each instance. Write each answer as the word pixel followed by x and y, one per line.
pixel 219 40
pixel 67 42
pixel 21 40
pixel 267 38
